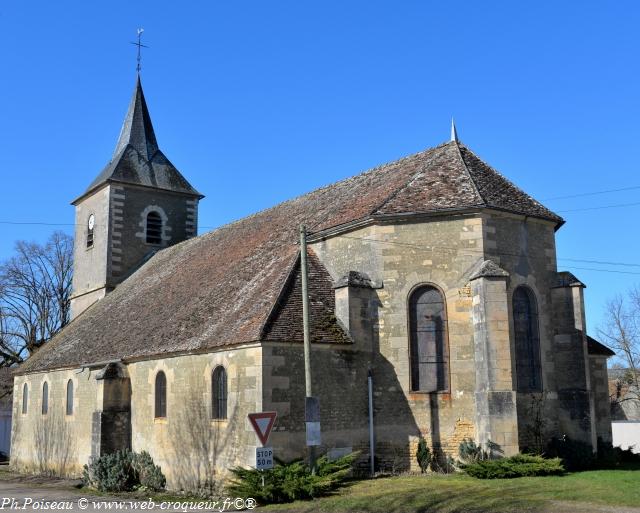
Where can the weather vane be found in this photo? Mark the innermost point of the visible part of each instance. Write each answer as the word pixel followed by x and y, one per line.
pixel 140 46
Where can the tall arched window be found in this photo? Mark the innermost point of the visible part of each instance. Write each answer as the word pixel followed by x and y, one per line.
pixel 428 341
pixel 161 396
pixel 69 397
pixel 219 393
pixel 25 398
pixel 45 398
pixel 527 341
pixel 154 228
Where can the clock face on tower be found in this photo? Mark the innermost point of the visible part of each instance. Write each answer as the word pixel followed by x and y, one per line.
pixel 92 222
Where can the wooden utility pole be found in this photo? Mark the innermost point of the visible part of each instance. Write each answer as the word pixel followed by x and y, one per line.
pixel 305 310
pixel 307 335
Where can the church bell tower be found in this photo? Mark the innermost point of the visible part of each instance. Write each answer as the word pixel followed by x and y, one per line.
pixel 138 205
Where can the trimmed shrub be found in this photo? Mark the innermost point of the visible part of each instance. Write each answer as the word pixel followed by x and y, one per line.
pixel 423 455
pixel 288 482
pixel 110 473
pixel 470 452
pixel 520 465
pixel 149 474
pixel 123 471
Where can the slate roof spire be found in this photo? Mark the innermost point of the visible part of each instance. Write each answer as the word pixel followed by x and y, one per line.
pixel 137 129
pixel 137 158
pixel 454 132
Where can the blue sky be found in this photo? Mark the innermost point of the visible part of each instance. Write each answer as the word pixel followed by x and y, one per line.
pixel 256 102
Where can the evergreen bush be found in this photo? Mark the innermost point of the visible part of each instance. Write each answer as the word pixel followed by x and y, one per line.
pixel 149 474
pixel 470 452
pixel 423 455
pixel 288 482
pixel 123 471
pixel 520 465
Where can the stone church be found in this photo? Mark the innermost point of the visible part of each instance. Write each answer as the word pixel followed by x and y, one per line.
pixel 434 274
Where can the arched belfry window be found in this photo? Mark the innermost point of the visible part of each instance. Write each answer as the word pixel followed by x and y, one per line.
pixel 160 396
pixel 25 398
pixel 69 397
pixel 527 340
pixel 219 393
pixel 428 341
pixel 45 398
pixel 154 228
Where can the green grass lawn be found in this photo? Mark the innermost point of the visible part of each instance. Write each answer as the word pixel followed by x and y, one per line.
pixel 461 493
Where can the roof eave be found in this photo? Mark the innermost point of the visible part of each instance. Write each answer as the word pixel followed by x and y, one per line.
pixel 97 187
pixel 414 216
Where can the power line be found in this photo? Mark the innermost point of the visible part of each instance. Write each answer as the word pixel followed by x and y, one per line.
pixel 424 248
pixel 593 193
pixel 601 270
pixel 601 208
pixel 599 262
pixel 37 223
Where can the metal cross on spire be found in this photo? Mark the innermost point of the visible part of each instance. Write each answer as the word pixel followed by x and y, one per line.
pixel 140 46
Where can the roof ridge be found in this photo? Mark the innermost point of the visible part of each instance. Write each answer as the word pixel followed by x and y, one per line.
pixel 466 168
pixel 328 186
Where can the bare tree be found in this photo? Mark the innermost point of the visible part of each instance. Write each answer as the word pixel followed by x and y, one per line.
pixel 35 290
pixel 621 331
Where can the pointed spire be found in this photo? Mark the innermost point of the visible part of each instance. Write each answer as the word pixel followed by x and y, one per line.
pixel 137 129
pixel 454 132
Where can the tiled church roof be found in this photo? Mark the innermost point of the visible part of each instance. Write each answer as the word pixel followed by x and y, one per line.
pixel 223 287
pixel 137 158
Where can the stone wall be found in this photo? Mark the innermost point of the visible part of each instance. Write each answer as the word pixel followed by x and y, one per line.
pixel 56 442
pixel 600 390
pixel 90 264
pixel 191 448
pixel 179 217
pixel 402 257
pixel 120 244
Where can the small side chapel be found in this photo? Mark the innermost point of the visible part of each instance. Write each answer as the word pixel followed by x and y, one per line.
pixel 433 274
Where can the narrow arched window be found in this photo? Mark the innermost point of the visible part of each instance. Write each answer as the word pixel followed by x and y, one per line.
pixel 161 396
pixel 527 341
pixel 25 398
pixel 154 228
pixel 45 398
pixel 219 393
pixel 429 354
pixel 69 397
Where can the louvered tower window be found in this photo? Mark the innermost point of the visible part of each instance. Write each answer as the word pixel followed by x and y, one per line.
pixel 154 228
pixel 161 396
pixel 428 341
pixel 527 341
pixel 219 393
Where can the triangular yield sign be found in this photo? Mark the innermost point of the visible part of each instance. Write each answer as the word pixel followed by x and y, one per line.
pixel 262 424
